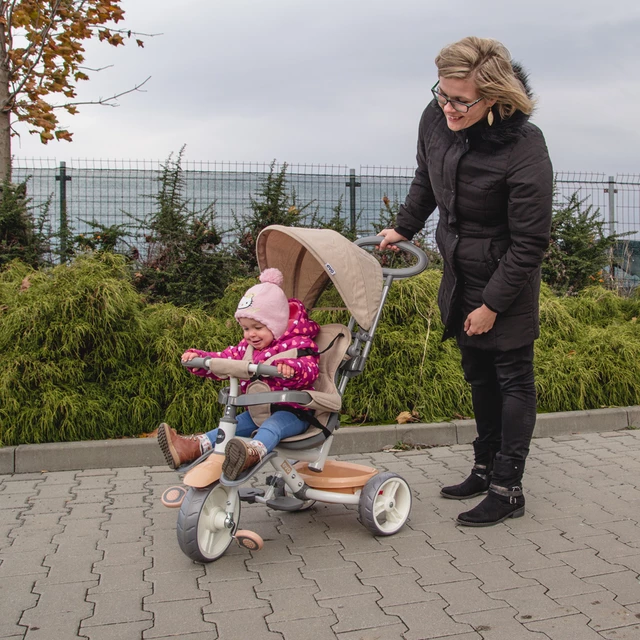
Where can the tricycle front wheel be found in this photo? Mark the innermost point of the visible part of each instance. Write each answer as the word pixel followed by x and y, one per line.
pixel 204 528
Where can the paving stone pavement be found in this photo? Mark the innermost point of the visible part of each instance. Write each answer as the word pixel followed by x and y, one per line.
pixel 93 554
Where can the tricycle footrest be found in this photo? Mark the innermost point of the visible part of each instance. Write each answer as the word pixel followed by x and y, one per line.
pixel 285 503
pixel 250 494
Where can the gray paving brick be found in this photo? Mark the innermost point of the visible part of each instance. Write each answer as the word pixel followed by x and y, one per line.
pixel 373 565
pixel 66 569
pixel 532 603
pixel 84 511
pixel 466 552
pixel 360 612
pixel 118 578
pixel 233 595
pixel 229 567
pixel 252 626
pixel 59 612
pixel 502 538
pixel 465 597
pixel 627 531
pixel 625 586
pixel 117 607
pixel 177 585
pixel 122 553
pixel 609 548
pixel 552 541
pixel 179 618
pixel 440 530
pixel 501 624
pixel 528 557
pixel 16 595
pixel 23 563
pixel 498 575
pixel 292 604
pixel 118 533
pixel 390 632
pixel 440 624
pixel 436 570
pixel 416 545
pixel 275 550
pixel 587 563
pixel 335 583
pixel 625 633
pixel 601 609
pixel 14 501
pixel 285 575
pixel 560 581
pixel 122 631
pixel 322 557
pixel 312 629
pixel 399 589
pixel 29 539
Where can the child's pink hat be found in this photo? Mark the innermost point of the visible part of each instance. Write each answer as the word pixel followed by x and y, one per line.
pixel 266 303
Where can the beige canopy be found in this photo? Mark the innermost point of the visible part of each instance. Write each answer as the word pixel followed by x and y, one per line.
pixel 309 258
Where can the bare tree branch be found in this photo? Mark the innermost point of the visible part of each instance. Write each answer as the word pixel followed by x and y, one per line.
pixel 104 101
pixel 99 69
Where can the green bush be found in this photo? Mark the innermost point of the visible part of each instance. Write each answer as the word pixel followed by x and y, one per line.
pixel 22 235
pixel 83 356
pixel 183 260
pixel 580 252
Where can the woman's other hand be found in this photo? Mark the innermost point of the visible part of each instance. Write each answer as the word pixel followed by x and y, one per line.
pixel 391 236
pixel 479 321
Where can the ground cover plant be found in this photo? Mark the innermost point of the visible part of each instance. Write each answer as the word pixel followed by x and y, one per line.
pixel 83 355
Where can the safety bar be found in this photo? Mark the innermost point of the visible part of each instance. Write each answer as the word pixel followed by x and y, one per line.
pixel 259 369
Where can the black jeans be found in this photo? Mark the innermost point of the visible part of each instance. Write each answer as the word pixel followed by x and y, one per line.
pixel 503 393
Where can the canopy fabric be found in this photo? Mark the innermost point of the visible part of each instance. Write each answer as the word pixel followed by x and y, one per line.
pixel 309 258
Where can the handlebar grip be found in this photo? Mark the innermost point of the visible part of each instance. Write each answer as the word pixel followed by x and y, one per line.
pixel 197 363
pixel 265 370
pixel 408 247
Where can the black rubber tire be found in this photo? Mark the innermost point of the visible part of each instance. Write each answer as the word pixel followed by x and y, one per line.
pixel 383 514
pixel 196 537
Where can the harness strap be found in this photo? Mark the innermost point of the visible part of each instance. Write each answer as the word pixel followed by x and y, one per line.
pixel 304 414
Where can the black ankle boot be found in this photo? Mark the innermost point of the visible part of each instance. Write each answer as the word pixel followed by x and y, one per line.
pixel 501 503
pixel 477 483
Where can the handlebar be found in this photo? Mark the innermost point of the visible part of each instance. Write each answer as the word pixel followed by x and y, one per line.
pixel 408 247
pixel 196 363
pixel 258 369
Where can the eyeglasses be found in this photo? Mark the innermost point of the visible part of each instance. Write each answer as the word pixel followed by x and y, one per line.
pixel 461 107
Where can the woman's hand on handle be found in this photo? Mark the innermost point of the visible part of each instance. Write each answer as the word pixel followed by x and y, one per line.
pixel 391 236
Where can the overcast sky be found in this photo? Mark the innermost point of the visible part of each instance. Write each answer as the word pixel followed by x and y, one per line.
pixel 344 81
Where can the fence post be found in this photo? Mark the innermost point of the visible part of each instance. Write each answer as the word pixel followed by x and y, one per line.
pixel 62 178
pixel 612 204
pixel 352 184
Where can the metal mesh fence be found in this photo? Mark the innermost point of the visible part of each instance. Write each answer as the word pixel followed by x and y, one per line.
pixel 111 192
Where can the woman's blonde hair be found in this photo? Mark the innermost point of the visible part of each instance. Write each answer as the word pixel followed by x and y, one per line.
pixel 488 63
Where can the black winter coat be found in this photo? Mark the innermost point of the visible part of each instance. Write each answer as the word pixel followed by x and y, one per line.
pixel 493 188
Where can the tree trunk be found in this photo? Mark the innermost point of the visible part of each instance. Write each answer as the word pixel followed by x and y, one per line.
pixel 5 124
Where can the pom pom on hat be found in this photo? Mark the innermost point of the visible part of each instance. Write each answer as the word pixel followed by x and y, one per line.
pixel 274 276
pixel 266 303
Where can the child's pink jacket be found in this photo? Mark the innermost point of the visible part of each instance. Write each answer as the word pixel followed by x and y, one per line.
pixel 299 334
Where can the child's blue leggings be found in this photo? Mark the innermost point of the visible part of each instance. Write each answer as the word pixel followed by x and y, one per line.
pixel 279 425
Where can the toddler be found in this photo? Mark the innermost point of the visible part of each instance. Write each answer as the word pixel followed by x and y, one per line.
pixel 271 325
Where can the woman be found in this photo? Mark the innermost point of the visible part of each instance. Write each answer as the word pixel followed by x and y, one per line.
pixel 487 170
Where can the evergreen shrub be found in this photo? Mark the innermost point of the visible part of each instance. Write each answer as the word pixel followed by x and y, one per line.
pixel 83 356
